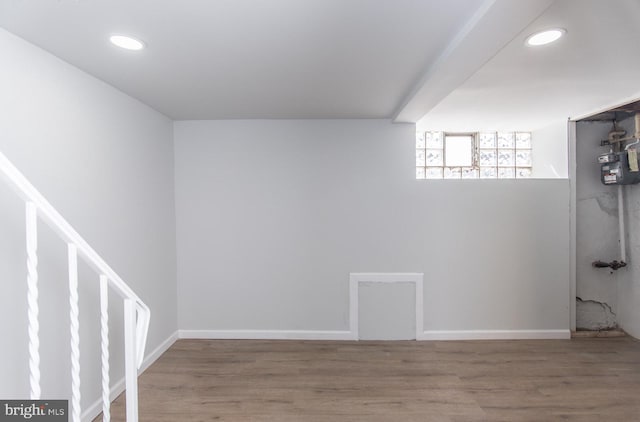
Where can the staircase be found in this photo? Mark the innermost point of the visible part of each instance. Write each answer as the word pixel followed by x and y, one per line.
pixel 136 313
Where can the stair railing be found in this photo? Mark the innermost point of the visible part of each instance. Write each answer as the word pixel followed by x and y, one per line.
pixel 136 313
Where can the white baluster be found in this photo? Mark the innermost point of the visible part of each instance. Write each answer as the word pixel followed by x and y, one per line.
pixel 130 360
pixel 32 300
pixel 137 314
pixel 104 334
pixel 74 317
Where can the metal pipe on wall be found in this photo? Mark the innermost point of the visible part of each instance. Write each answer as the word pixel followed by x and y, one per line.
pixel 623 244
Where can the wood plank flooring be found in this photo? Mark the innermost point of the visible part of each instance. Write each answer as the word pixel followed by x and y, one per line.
pixel 587 379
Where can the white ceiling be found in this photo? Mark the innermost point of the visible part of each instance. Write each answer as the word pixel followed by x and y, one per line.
pixel 215 59
pixel 595 65
pixel 463 63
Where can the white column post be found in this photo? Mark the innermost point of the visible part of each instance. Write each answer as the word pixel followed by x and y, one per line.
pixel 130 359
pixel 74 318
pixel 104 335
pixel 31 220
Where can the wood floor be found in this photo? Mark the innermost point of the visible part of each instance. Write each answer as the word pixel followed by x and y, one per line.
pixel 586 379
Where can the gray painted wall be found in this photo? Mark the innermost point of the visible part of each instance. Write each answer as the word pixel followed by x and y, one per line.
pixel 105 161
pixel 272 216
pixel 597 236
pixel 629 285
pixel 596 230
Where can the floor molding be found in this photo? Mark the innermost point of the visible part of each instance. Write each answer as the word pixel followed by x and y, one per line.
pixel 267 334
pixel 497 335
pixel 347 335
pixel 91 412
pixel 158 351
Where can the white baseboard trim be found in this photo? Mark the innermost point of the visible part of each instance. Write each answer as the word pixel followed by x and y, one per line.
pixel 91 412
pixel 348 335
pixel 94 410
pixel 497 335
pixel 266 335
pixel 158 351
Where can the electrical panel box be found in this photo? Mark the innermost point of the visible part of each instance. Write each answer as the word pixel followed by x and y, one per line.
pixel 619 168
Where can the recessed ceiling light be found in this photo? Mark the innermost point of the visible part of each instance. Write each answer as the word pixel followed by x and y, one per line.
pixel 126 42
pixel 545 37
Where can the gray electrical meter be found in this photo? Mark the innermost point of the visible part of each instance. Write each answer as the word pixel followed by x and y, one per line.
pixel 619 168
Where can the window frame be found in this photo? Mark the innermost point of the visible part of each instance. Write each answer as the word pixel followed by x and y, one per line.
pixel 472 135
pixel 423 171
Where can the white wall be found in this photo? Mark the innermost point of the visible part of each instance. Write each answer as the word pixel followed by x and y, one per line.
pixel 105 161
pixel 550 151
pixel 272 216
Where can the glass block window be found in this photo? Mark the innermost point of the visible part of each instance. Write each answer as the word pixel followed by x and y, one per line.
pixel 479 155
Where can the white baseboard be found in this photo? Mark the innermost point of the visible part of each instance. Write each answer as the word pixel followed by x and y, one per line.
pixel 91 412
pixel 94 410
pixel 348 335
pixel 158 351
pixel 497 335
pixel 267 334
